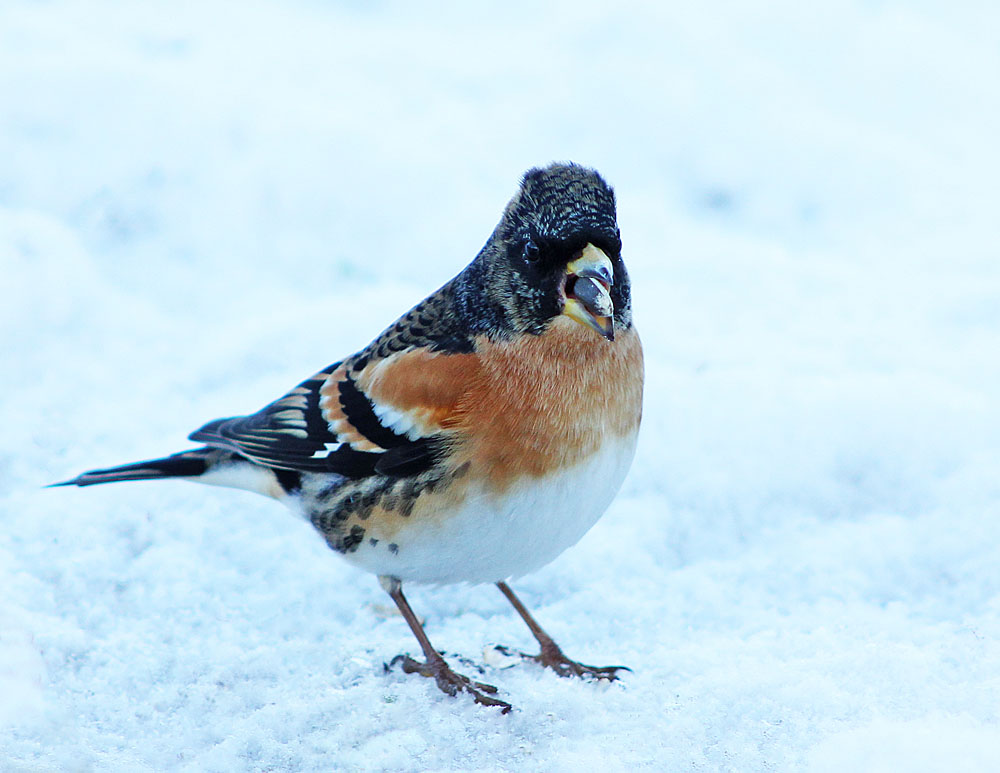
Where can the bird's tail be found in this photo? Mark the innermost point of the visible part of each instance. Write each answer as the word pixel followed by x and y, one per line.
pixel 187 464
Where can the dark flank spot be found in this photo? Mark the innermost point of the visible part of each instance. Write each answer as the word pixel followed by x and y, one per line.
pixel 289 480
pixel 411 489
pixel 461 471
pixel 331 517
pixel 319 521
pixel 335 541
pixel 408 496
pixel 372 541
pixel 390 501
pixel 359 364
pixel 393 548
pixel 330 489
pixel 351 541
pixel 363 509
pixel 327 522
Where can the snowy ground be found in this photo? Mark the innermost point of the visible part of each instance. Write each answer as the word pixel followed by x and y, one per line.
pixel 203 202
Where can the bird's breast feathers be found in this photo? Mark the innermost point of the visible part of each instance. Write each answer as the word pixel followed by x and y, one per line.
pixel 511 409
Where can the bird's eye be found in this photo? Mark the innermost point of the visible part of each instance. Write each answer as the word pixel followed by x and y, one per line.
pixel 531 251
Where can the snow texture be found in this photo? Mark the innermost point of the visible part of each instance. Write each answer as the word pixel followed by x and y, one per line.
pixel 203 202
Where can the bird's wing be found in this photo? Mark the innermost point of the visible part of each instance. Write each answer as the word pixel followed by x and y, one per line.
pixel 386 410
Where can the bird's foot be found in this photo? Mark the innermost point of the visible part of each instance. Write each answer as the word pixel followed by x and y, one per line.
pixel 450 682
pixel 552 657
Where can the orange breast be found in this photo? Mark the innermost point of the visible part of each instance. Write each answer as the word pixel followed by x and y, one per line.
pixel 521 408
pixel 547 402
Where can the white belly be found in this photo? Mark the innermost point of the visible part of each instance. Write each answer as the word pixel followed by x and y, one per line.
pixel 491 538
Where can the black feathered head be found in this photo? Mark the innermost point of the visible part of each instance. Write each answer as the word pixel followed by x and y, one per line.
pixel 556 251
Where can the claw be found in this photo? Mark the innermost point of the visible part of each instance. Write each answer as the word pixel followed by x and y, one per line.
pixel 450 682
pixel 553 657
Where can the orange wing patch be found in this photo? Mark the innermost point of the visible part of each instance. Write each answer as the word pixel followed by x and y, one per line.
pixel 425 386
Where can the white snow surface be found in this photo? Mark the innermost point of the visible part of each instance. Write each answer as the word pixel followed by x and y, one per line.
pixel 202 203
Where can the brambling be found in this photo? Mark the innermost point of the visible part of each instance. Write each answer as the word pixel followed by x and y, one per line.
pixel 476 438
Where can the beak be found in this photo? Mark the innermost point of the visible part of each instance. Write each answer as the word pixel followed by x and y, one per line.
pixel 588 279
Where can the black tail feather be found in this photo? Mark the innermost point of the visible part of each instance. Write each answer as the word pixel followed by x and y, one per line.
pixel 189 464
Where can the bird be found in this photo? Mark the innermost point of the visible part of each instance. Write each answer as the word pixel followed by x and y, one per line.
pixel 478 436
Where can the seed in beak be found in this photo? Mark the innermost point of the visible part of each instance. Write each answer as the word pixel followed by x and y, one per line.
pixel 593 295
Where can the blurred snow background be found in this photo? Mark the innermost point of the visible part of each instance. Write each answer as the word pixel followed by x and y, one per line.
pixel 203 202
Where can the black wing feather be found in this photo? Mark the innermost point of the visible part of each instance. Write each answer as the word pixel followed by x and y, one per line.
pixel 410 459
pixel 292 434
pixel 361 413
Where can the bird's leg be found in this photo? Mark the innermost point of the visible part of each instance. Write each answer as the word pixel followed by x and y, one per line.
pixel 434 665
pixel 551 656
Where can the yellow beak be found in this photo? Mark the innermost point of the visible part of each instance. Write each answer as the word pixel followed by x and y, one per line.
pixel 588 300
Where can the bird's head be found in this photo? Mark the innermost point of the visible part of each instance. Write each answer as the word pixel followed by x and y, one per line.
pixel 557 253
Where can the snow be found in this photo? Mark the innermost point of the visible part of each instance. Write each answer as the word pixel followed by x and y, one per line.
pixel 203 203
